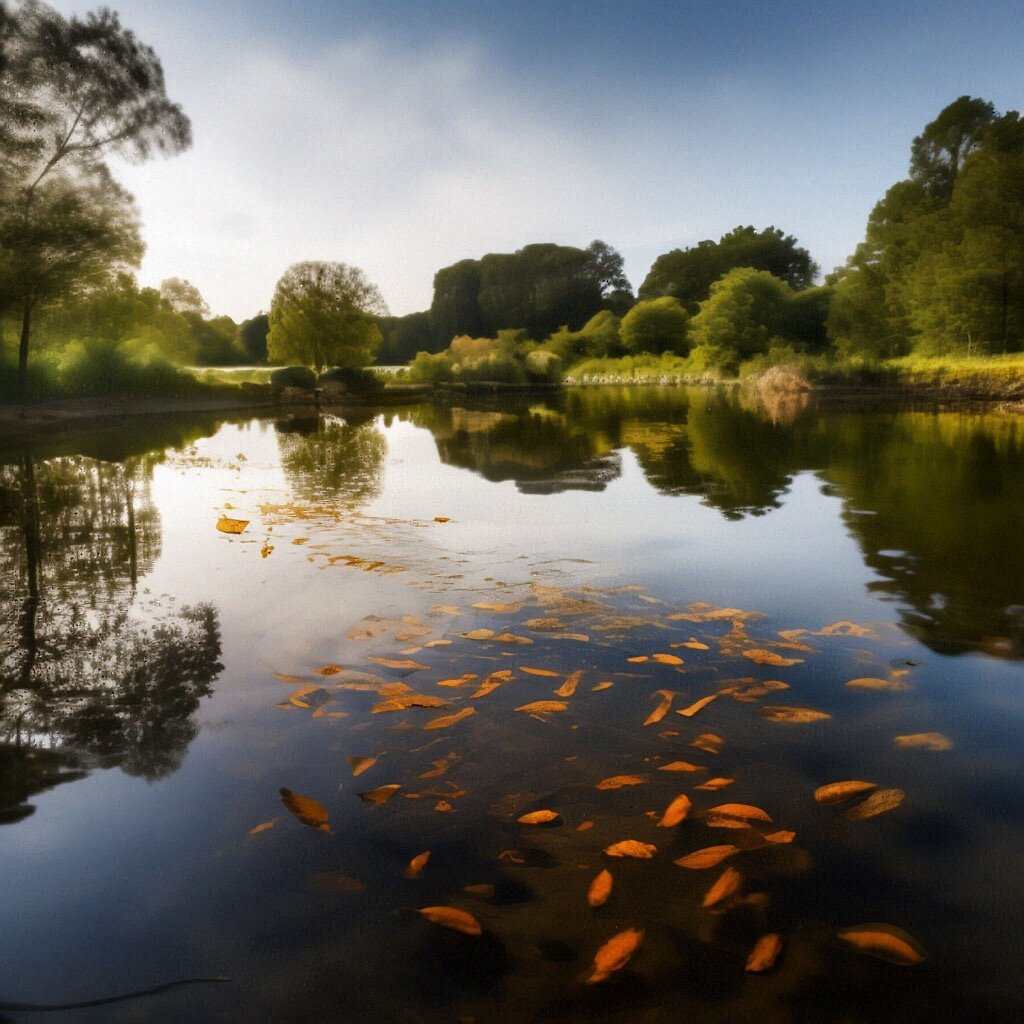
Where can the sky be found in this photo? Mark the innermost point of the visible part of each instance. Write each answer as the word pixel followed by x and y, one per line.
pixel 401 136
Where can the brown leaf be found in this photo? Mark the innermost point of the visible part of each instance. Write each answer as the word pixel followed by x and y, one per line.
pixel 696 706
pixel 924 740
pixel 618 781
pixel 639 659
pixel 735 816
pixel 568 688
pixel 714 785
pixel 228 525
pixel 600 889
pixel 837 792
pixel 708 857
pixel 762 657
pixel 631 848
pixel 662 709
pixel 361 764
pixel 486 606
pixel 780 837
pixel 544 706
pixel 452 917
pixel 675 812
pixel 416 865
pixel 584 826
pixel 380 795
pixel 845 628
pixel 485 890
pixel 443 806
pixel 709 742
pixel 479 634
pixel 681 766
pixel 539 672
pixel 604 685
pixel 878 803
pixel 727 885
pixel 538 817
pixel 667 659
pixel 458 681
pixel 615 954
pixel 408 700
pixel 446 720
pixel 793 715
pixel 885 941
pixel 398 663
pixel 328 670
pixel 262 827
pixel 442 519
pixel 871 683
pixel 310 812
pixel 765 952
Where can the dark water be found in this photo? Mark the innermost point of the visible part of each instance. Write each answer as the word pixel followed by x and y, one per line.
pixel 162 681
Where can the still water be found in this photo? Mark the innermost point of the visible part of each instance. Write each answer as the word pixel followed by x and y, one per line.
pixel 222 755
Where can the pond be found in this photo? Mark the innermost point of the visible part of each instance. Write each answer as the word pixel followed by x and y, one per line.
pixel 307 758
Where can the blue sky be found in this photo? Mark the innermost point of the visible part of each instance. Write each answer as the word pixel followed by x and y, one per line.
pixel 402 136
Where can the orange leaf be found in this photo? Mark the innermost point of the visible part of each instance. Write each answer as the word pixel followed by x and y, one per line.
pixel 361 764
pixel 631 848
pixel 765 952
pixel 797 716
pixel 416 865
pixel 605 685
pixel 924 740
pixel 446 720
pixel 727 885
pixel 713 785
pixel 380 795
pixel 568 688
pixel 707 857
pixel 310 812
pixel 544 706
pixel 600 889
pixel 879 802
pixel 397 662
pixel 675 812
pixel 762 657
pixel 408 700
pixel 696 706
pixel 681 766
pixel 328 670
pixel 538 817
pixel 451 917
pixel 618 781
pixel 667 659
pixel 459 681
pixel 885 941
pixel 662 709
pixel 539 672
pixel 615 954
pixel 837 792
pixel 782 836
pixel 872 683
pixel 228 525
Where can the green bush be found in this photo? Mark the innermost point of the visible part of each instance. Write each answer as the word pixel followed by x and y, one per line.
pixel 106 368
pixel 293 377
pixel 357 380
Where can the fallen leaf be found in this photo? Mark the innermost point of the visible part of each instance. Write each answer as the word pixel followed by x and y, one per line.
pixel 675 812
pixel 446 720
pixel 708 857
pixel 441 519
pixel 361 764
pixel 793 715
pixel 845 628
pixel 284 677
pixel 439 643
pixel 310 812
pixel 494 607
pixel 631 848
pixel 328 670
pixel 398 663
pixel 443 806
pixel 924 740
pixel 600 889
pixel 618 781
pixel 681 766
pixel 408 700
pixel 695 645
pixel 765 952
pixel 638 659
pixel 262 827
pixel 706 613
pixel 885 941
pixel 452 917
pixel 837 792
pixel 662 709
pixel 296 697
pixel 709 742
pixel 879 802
pixel 780 837
pixel 445 609
pixel 584 826
pixel 539 672
pixel 538 817
pixel 416 865
pixel 227 525
pixel 336 882
pixel 735 816
pixel 266 550
pixel 568 688
pixel 484 890
pixel 479 634
pixel 380 795
pixel 871 683
pixel 544 706
pixel 762 657
pixel 667 659
pixel 605 685
pixel 727 884
pixel 713 785
pixel 440 766
pixel 615 954
pixel 696 706
pixel 582 637
pixel 512 638
pixel 459 680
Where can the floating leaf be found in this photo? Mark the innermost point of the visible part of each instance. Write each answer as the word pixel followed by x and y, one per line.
pixel 615 954
pixel 398 663
pixel 837 792
pixel 442 519
pixel 487 606
pixel 765 952
pixel 416 865
pixel 445 609
pixel 459 680
pixel 638 659
pixel 284 677
pixel 666 659
pixel 708 857
pixel 447 720
pixel 631 848
pixel 380 795
pixel 544 706
pixel 438 643
pixel 748 689
pixel 885 941
pixel 845 628
pixel 713 785
pixel 924 740
pixel 262 827
pixel 227 525
pixel 443 806
pixel 727 885
pixel 328 670
pixel 606 684
pixel 662 709
pixel 296 697
pixel 872 683
pixel 735 816
pixel 538 817
pixel 762 657
pixel 681 766
pixel 780 837
pixel 878 803
pixel 600 889
pixel 408 700
pixel 361 764
pixel 695 645
pixel 584 826
pixel 581 637
pixel 485 890
pixel 479 634
pixel 709 742
pixel 618 781
pixel 440 766
pixel 696 706
pixel 701 612
pixel 452 917
pixel 266 550
pixel 676 811
pixel 512 638
pixel 539 672
pixel 568 688
pixel 310 812
pixel 793 715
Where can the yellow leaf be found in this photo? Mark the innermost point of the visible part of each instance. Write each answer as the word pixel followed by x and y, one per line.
pixel 328 670
pixel 780 837
pixel 544 706
pixel 538 817
pixel 696 706
pixel 582 637
pixel 479 634
pixel 837 792
pixel 638 660
pixel 615 954
pixel 262 827
pixel 708 857
pixel 871 683
pixel 879 802
pixel 310 812
pixel 885 941
pixel 451 917
pixel 600 889
pixel 727 885
pixel 708 741
pixel 416 865
pixel 618 781
pixel 584 826
pixel 605 685
pixel 681 766
pixel 715 784
pixel 762 657
pixel 765 952
pixel 662 709
pixel 459 680
pixel 794 715
pixel 361 764
pixel 380 795
pixel 568 688
pixel 631 848
pixel 491 607
pixel 398 662
pixel 228 525
pixel 666 659
pixel 511 638
pixel 539 672
pixel 675 812
pixel 408 700
pixel 844 628
pixel 446 720
pixel 735 816
pixel 695 645
pixel 924 740
pixel 441 519
pixel 296 697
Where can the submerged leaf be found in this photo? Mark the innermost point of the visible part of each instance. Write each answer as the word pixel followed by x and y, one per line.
pixel 871 683
pixel 458 681
pixel 544 706
pixel 878 803
pixel 361 764
pixel 765 952
pixel 885 941
pixel 727 885
pixel 713 785
pixel 452 917
pixel 568 688
pixel 676 811
pixel 837 792
pixel 380 795
pixel 615 954
pixel 600 889
pixel 227 525
pixel 416 865
pixel 408 700
pixel 708 857
pixel 538 817
pixel 696 706
pixel 681 766
pixel 667 659
pixel 780 837
pixel 446 720
pixel 662 709
pixel 262 827
pixel 539 672
pixel 631 848
pixel 398 663
pixel 618 781
pixel 310 812
pixel 762 657
pixel 924 740
pixel 793 715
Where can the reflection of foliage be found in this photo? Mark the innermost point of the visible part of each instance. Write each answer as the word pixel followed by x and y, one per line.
pixel 331 459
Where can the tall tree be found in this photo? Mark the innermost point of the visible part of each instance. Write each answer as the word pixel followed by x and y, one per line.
pixel 183 296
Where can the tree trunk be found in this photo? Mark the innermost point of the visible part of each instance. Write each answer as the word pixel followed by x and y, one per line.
pixel 30 606
pixel 26 327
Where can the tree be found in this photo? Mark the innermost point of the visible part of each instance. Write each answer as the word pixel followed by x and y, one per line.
pixel 938 153
pixel 183 296
pixel 75 90
pixel 252 336
pixel 616 291
pixel 321 315
pixel 655 325
pixel 745 311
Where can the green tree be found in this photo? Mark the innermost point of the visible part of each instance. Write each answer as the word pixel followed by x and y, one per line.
pixel 321 315
pixel 937 155
pixel 655 325
pixel 609 268
pixel 745 312
pixel 183 296
pixel 252 337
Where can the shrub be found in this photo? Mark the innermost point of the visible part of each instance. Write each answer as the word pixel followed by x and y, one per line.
pixel 293 377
